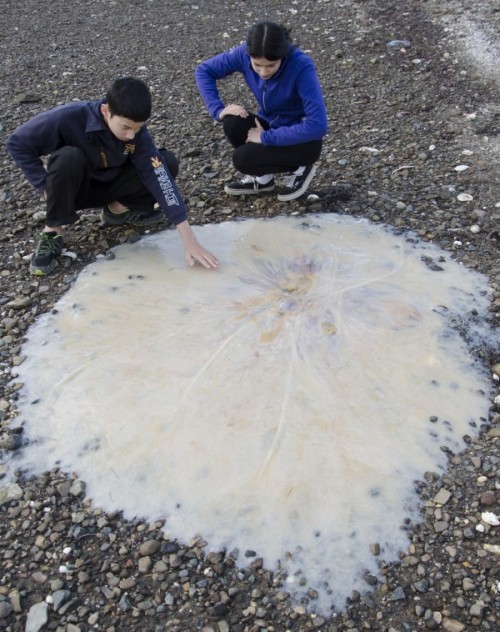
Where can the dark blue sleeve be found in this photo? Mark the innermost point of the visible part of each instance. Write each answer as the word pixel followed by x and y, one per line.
pixel 38 137
pixel 154 172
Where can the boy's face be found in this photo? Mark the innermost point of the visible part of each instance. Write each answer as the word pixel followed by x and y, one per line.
pixel 123 128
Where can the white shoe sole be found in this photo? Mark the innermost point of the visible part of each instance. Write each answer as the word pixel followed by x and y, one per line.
pixel 230 191
pixel 286 197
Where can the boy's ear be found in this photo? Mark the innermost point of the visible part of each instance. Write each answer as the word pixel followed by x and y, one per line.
pixel 105 109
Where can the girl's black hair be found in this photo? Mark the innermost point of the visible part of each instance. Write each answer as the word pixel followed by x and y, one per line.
pixel 130 98
pixel 269 40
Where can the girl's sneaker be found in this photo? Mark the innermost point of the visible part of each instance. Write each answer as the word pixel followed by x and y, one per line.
pixel 295 186
pixel 248 185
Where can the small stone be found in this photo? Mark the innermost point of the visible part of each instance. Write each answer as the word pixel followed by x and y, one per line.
pixel 149 547
pixel 452 625
pixel 144 565
pixel 477 609
pixel 37 617
pixel 127 583
pixel 375 548
pixel 92 620
pixel 440 526
pixel 490 518
pixel 468 584
pixel 9 493
pixel 398 594
pixel 59 598
pixel 442 497
pixel 77 488
pixel 124 604
pixel 219 609
pixel 318 622
pixel 421 586
pixel 488 498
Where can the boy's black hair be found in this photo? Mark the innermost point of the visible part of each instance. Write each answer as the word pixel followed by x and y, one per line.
pixel 269 40
pixel 130 98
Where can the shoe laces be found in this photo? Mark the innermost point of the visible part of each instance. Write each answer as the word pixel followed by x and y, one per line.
pixel 289 181
pixel 249 180
pixel 131 215
pixel 49 243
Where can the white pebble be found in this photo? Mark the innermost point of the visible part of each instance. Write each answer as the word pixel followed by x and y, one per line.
pixel 464 197
pixel 474 228
pixel 480 528
pixel 461 167
pixel 467 152
pixel 490 518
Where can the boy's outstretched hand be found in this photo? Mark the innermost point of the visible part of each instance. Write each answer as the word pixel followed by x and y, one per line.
pixel 193 251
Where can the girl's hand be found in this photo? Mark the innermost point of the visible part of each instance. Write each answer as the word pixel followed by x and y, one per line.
pixel 236 110
pixel 254 133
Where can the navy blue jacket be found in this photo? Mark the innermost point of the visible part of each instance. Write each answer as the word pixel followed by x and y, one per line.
pixel 291 100
pixel 82 125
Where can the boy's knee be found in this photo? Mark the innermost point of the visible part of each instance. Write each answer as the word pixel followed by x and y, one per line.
pixel 67 158
pixel 172 162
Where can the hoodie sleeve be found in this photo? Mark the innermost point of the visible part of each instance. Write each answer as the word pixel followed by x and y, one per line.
pixel 155 175
pixel 313 125
pixel 37 137
pixel 210 71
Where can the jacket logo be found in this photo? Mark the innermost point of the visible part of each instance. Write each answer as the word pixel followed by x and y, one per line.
pixel 164 181
pixel 129 148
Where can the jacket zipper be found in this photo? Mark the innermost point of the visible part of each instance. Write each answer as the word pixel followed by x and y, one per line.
pixel 104 159
pixel 264 96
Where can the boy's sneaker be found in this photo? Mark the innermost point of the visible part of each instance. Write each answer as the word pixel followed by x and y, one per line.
pixel 44 259
pixel 131 217
pixel 295 186
pixel 248 185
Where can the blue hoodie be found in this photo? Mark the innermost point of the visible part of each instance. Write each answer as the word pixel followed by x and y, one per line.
pixel 290 101
pixel 82 125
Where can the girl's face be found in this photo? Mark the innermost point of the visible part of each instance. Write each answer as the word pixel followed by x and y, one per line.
pixel 264 67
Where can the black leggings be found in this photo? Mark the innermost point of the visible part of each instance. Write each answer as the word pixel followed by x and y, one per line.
pixel 255 159
pixel 70 186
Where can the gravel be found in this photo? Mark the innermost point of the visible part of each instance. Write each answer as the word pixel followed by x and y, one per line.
pixel 412 94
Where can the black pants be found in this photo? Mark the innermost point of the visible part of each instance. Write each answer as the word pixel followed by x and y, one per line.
pixel 70 186
pixel 255 159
